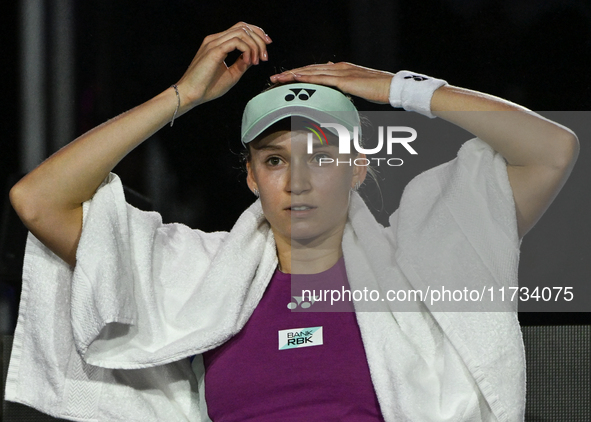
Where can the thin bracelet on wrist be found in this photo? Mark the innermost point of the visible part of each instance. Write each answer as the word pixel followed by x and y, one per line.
pixel 178 103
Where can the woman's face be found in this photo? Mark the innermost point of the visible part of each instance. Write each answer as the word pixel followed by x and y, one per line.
pixel 304 199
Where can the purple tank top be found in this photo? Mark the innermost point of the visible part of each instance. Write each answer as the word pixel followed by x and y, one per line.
pixel 293 366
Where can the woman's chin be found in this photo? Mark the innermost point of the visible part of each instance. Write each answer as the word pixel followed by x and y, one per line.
pixel 307 235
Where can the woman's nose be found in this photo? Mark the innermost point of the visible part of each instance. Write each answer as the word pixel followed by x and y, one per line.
pixel 299 177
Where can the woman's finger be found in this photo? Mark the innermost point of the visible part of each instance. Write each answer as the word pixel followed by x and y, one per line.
pixel 258 45
pixel 320 79
pixel 244 61
pixel 261 33
pixel 327 68
pixel 331 67
pixel 244 35
pixel 256 29
pixel 316 78
pixel 262 46
pixel 291 75
pixel 249 39
pixel 258 35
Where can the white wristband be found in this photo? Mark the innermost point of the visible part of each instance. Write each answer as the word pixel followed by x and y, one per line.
pixel 413 91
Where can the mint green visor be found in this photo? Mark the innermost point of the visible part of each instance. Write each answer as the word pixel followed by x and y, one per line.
pixel 318 103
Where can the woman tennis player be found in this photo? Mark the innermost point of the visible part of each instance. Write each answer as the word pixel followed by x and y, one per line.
pixel 126 318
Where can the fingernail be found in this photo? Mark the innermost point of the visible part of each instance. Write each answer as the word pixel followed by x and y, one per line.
pixel 265 56
pixel 268 38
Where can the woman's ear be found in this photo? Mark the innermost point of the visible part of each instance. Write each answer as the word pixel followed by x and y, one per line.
pixel 252 185
pixel 359 172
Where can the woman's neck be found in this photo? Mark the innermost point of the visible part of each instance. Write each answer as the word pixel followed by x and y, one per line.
pixel 310 256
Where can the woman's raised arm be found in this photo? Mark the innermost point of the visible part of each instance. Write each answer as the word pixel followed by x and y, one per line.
pixel 49 199
pixel 540 154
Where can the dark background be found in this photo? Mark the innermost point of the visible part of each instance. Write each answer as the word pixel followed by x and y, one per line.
pixel 534 53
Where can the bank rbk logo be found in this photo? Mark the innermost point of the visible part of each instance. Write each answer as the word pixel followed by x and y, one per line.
pixel 297 92
pixel 296 338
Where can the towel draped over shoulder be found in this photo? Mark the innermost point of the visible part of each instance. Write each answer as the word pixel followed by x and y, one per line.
pixel 108 339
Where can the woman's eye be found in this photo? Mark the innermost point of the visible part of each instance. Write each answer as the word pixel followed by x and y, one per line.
pixel 273 161
pixel 317 157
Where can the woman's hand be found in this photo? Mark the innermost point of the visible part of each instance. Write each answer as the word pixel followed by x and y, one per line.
pixel 369 84
pixel 208 77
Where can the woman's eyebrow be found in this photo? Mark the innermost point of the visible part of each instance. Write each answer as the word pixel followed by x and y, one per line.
pixel 269 148
pixel 318 146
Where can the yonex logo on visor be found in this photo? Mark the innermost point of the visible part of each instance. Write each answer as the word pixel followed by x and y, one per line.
pixel 297 92
pixel 316 103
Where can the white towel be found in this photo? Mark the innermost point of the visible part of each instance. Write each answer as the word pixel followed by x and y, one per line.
pixel 108 340
pixel 456 227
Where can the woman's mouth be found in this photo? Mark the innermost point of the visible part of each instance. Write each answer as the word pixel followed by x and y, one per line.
pixel 301 210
